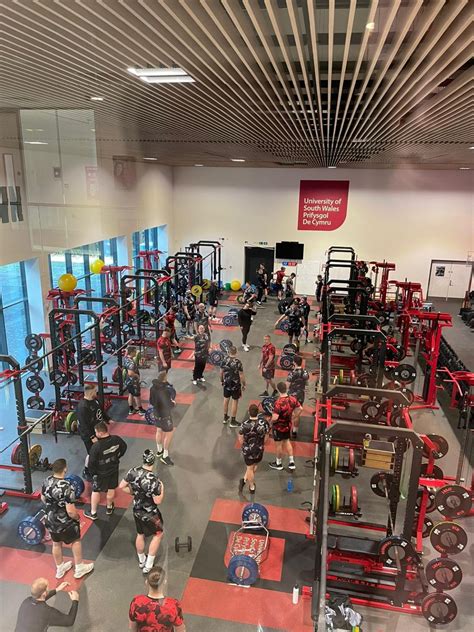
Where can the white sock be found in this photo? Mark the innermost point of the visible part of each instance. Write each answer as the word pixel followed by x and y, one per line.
pixel 159 447
pixel 165 453
pixel 278 461
pixel 141 557
pixel 150 560
pixel 292 459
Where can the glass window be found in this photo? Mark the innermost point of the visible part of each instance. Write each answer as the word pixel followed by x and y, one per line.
pixel 57 267
pixel 14 311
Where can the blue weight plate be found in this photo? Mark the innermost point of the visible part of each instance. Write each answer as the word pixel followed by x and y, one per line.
pixel 31 530
pixel 253 510
pixel 77 484
pixel 243 570
pixel 216 357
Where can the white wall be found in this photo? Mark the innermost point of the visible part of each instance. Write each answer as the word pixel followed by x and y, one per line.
pixel 409 217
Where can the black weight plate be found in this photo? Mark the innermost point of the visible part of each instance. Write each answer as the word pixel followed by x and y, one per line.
pixel 448 538
pixel 268 404
pixel 108 331
pixel 286 362
pixel 216 357
pixel 378 482
pixel 428 524
pixel 72 378
pixel 57 377
pixel 396 548
pixel 33 342
pixel 443 574
pixel 371 411
pixel 388 372
pixel 37 366
pixel 453 501
pixel 109 346
pixel 366 380
pixel 437 473
pixel 34 383
pixel 404 373
pixel 35 402
pixel 430 506
pixel 439 609
pixel 357 345
pixel 441 446
pixel 127 328
pixel 289 349
pixel 87 356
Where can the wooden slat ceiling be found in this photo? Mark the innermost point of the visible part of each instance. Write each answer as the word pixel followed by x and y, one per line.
pixel 277 82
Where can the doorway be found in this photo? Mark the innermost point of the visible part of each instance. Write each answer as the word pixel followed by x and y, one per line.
pixel 255 256
pixel 449 279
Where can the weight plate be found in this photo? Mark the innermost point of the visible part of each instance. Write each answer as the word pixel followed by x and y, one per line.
pixel 34 383
pixel 72 378
pixel 443 574
pixel 448 538
pixel 216 357
pixel 438 608
pixel 34 454
pixel 441 446
pixel 150 416
pixel 351 463
pixel 354 499
pixel 196 290
pixel 396 548
pixel 380 482
pixel 357 345
pixel 143 316
pixel 404 373
pixel 334 459
pixel 286 362
pixel 58 377
pixel 340 377
pixel 242 570
pixel 255 512
pixel 437 473
pixel 228 320
pixel 33 342
pixel 127 328
pixel 109 346
pixel 234 311
pixel 87 357
pixel 431 505
pixel 35 402
pixel 225 345
pixel 335 498
pixel 206 284
pixel 453 501
pixel 31 530
pixel 426 529
pixel 108 331
pixel 16 454
pixel 289 349
pixel 267 405
pixel 371 411
pixel 366 380
pixel 284 325
pixel 38 364
pixel 388 372
pixel 69 421
pixel 76 483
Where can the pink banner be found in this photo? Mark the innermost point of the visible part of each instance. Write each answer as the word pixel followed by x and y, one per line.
pixel 322 204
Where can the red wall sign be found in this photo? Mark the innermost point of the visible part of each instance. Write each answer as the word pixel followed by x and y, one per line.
pixel 323 204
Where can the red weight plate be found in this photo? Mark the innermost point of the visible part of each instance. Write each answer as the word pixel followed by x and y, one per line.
pixel 354 499
pixel 352 460
pixel 16 454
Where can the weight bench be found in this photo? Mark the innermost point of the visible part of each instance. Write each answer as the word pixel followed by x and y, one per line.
pixel 346 544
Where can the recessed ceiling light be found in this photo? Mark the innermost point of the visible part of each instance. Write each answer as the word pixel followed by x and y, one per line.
pixel 465 168
pixel 199 165
pixel 332 167
pixel 156 72
pixel 150 158
pixel 471 147
pixel 238 159
pixel 370 26
pixel 34 129
pixel 169 79
pixel 96 98
pixel 92 129
pixel 34 142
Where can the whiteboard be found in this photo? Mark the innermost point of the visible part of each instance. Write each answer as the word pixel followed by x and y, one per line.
pixel 306 274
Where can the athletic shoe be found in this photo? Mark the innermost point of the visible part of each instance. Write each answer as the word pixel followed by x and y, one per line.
pixel 258 303
pixel 275 466
pixel 110 509
pixel 246 348
pixel 131 411
pixel 241 487
pixel 146 570
pixel 275 393
pixel 201 379
pixel 195 382
pixel 294 435
pixel 252 489
pixel 83 569
pixel 88 514
pixel 264 394
pixel 291 466
pixel 62 569
pixel 141 564
pixel 225 420
pixel 166 460
pixel 234 423
pixel 141 411
pixel 159 453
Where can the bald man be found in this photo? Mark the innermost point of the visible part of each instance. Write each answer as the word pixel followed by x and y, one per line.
pixel 36 616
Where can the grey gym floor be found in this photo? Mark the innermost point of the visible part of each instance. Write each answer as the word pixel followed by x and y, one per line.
pixel 207 466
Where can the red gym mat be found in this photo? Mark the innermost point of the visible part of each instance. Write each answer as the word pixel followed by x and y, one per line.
pixel 281 519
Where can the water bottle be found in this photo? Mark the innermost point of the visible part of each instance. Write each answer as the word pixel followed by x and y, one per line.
pixel 290 486
pixel 296 594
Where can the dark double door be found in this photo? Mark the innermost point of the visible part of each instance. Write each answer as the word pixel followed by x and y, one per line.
pixel 254 256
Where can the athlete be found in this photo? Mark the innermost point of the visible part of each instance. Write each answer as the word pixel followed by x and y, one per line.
pixel 164 351
pixel 297 380
pixel 189 307
pixel 282 418
pixel 89 413
pixel 36 616
pixel 62 520
pixel 261 284
pixel 202 343
pixel 279 277
pixel 132 381
pixel 161 398
pixel 213 300
pixel 233 381
pixel 319 288
pixel 267 366
pixel 305 310
pixel 290 286
pixel 252 435
pixel 245 318
pixel 154 612
pixel 202 318
pixel 148 493
pixel 295 323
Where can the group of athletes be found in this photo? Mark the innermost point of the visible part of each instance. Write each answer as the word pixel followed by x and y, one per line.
pixel 154 611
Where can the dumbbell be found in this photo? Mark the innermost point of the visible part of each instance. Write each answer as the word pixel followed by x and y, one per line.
pixel 32 529
pixel 185 544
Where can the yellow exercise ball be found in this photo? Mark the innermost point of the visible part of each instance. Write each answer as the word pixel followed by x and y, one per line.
pixel 235 285
pixel 67 282
pixel 96 266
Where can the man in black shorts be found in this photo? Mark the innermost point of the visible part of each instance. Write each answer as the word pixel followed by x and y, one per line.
pixel 148 492
pixel 261 283
pixel 305 310
pixel 295 323
pixel 252 435
pixel 163 403
pixel 290 286
pixel 282 419
pixel 89 413
pixel 62 520
pixel 233 381
pixel 132 381
pixel 213 300
pixel 202 343
pixel 189 308
pixel 297 380
pixel 36 616
pixel 104 459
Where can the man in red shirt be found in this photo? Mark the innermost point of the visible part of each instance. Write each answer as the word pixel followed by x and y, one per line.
pixel 267 366
pixel 164 352
pixel 169 320
pixel 282 419
pixel 154 612
pixel 279 276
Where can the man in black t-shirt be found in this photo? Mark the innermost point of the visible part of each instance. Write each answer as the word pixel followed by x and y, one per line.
pixel 262 278
pixel 252 438
pixel 189 308
pixel 202 342
pixel 162 396
pixel 148 492
pixel 89 413
pixel 297 380
pixel 213 300
pixel 201 317
pixel 245 317
pixel 305 310
pixel 295 323
pixel 62 520
pixel 104 459
pixel 132 381
pixel 319 288
pixel 36 616
pixel 233 381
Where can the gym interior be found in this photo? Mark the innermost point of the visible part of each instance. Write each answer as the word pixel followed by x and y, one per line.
pixel 302 170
